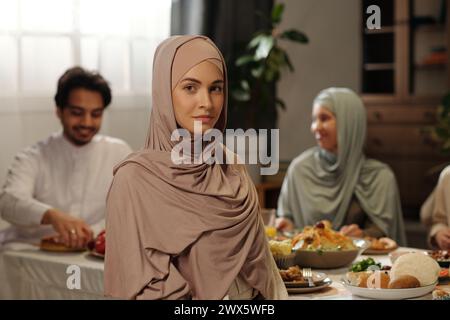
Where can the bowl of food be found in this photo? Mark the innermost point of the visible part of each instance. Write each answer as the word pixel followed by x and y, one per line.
pixel 282 253
pixel 412 275
pixel 442 257
pixel 379 246
pixel 321 247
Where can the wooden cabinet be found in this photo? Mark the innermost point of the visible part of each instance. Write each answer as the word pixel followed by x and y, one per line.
pixel 405 74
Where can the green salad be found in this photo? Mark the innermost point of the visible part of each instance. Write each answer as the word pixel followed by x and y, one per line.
pixel 364 264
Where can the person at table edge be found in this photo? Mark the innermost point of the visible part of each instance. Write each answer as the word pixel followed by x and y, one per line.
pixel 435 213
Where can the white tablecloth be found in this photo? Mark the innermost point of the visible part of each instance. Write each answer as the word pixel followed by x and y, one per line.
pixel 28 273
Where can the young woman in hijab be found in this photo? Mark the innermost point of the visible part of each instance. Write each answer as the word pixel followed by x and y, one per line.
pixel 335 181
pixel 186 231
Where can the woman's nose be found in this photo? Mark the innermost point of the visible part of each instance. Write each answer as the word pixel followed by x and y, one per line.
pixel 205 100
pixel 316 126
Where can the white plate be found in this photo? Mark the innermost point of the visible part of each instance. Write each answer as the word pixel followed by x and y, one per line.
pixel 302 289
pixel 96 254
pixel 318 278
pixel 389 294
pixel 370 251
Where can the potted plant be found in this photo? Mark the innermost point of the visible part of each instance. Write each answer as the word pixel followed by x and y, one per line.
pixel 441 131
pixel 258 69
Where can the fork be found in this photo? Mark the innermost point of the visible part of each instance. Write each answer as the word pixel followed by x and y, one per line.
pixel 307 273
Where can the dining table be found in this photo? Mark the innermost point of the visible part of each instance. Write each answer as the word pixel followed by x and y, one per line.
pixel 26 272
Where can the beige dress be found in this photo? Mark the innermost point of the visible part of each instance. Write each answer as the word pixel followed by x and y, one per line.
pixel 241 290
pixel 435 212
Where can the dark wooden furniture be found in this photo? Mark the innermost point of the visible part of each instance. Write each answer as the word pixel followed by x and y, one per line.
pixel 405 74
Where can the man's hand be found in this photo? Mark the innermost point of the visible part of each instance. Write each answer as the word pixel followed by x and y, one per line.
pixel 74 232
pixel 442 239
pixel 352 230
pixel 284 224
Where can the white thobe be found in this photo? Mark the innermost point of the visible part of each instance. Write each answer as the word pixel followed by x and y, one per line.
pixel 54 173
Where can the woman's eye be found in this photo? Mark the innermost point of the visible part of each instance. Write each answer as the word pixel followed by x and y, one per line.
pixel 189 88
pixel 216 89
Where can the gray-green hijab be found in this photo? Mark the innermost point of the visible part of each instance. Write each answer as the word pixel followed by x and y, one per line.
pixel 320 185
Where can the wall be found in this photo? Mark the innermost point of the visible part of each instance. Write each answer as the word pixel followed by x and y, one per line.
pixel 332 58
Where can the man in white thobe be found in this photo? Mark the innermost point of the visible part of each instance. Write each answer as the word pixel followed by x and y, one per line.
pixel 59 185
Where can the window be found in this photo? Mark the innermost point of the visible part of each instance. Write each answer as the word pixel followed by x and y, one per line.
pixel 39 40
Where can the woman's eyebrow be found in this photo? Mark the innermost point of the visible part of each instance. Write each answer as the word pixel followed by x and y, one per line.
pixel 218 81
pixel 191 80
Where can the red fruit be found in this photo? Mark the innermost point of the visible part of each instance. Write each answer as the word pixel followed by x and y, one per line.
pixel 91 245
pixel 100 243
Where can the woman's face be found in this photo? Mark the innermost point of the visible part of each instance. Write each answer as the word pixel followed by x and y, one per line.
pixel 199 96
pixel 324 128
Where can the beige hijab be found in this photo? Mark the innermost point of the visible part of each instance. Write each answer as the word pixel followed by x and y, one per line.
pixel 183 231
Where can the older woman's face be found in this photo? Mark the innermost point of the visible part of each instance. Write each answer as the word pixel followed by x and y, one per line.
pixel 324 128
pixel 199 96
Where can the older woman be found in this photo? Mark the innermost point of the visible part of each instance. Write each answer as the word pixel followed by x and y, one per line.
pixel 335 181
pixel 186 231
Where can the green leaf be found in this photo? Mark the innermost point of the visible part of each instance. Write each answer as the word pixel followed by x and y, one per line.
pixel 240 95
pixel 242 60
pixel 270 74
pixel 245 85
pixel 295 35
pixel 277 13
pixel 265 45
pixel 276 58
pixel 288 61
pixel 256 40
pixel 257 72
pixel 281 103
